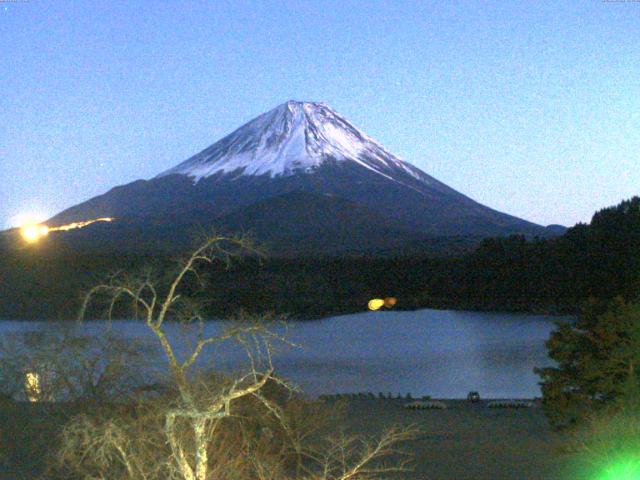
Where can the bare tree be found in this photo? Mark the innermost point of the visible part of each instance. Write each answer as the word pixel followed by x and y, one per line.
pixel 192 419
pixel 156 309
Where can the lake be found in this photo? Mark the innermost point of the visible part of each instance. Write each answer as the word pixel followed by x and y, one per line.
pixel 440 353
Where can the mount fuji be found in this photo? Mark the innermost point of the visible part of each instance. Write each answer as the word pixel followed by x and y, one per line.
pixel 302 178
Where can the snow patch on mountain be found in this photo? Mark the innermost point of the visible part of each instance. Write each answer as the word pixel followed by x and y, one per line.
pixel 295 137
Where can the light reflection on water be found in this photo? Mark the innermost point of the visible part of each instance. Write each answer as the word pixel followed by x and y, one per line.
pixel 426 352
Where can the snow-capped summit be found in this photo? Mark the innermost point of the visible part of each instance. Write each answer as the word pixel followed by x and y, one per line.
pixel 295 137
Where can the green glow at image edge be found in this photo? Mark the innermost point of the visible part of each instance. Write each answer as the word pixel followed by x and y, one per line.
pixel 624 469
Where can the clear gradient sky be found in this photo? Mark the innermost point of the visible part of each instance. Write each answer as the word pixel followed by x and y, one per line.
pixel 530 107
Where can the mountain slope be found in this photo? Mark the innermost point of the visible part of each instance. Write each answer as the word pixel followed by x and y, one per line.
pixel 302 223
pixel 293 149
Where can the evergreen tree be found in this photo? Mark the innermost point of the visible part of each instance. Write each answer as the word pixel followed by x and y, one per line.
pixel 598 362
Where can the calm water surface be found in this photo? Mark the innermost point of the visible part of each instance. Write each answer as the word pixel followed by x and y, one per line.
pixel 426 352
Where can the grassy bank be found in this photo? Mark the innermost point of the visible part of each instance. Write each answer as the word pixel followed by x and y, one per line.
pixel 465 441
pixel 470 441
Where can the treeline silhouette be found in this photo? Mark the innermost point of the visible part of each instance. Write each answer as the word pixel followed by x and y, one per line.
pixel 599 260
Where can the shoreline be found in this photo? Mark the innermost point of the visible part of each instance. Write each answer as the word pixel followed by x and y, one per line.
pixel 315 317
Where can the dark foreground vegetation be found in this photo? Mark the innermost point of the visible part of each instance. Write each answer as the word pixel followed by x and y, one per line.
pixel 599 260
pixel 466 441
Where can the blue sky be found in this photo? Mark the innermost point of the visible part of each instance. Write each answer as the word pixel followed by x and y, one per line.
pixel 532 108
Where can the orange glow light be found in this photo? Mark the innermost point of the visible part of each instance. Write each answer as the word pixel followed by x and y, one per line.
pixel 389 302
pixel 34 232
pixel 31 233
